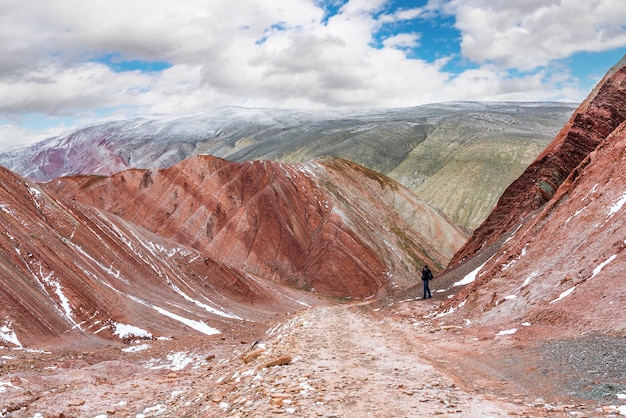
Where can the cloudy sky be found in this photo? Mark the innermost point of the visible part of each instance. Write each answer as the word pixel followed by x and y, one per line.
pixel 68 63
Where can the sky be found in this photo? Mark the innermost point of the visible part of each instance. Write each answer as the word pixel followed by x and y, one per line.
pixel 71 63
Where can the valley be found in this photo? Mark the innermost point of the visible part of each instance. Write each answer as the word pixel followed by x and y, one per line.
pixel 218 288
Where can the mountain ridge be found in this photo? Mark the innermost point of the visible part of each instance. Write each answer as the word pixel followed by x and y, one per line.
pixel 493 141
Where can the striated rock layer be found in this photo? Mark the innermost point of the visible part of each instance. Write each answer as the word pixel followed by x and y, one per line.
pixel 560 273
pixel 330 226
pixel 594 120
pixel 203 246
pixel 71 273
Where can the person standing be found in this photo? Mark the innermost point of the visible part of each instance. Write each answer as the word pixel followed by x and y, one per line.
pixel 427 276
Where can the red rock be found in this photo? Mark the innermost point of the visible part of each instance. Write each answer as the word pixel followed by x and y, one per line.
pixel 594 120
pixel 313 227
pixel 561 273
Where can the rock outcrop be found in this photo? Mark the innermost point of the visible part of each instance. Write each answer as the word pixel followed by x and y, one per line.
pixel 560 273
pixel 594 120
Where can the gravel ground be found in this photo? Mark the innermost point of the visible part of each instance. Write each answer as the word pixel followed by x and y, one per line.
pixel 592 367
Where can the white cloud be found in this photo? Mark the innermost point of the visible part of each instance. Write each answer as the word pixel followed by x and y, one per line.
pixel 402 40
pixel 531 33
pixel 285 53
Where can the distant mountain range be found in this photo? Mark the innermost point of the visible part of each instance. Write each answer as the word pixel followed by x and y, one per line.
pixel 458 157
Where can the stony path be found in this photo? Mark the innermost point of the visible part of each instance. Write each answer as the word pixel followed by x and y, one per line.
pixel 343 364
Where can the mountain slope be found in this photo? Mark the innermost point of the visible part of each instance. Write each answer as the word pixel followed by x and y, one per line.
pixel 73 275
pixel 563 270
pixel 556 262
pixel 602 112
pixel 315 226
pixel 456 156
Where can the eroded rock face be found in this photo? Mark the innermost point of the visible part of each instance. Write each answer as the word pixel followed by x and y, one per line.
pixel 203 245
pixel 560 273
pixel 72 274
pixel 330 226
pixel 599 115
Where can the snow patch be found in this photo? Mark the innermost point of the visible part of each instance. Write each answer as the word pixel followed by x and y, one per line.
pixel 617 205
pixel 175 361
pixel 130 331
pixel 157 409
pixel 470 277
pixel 136 348
pixel 8 335
pixel 36 194
pixel 563 295
pixel 451 310
pixel 5 385
pixel 507 332
pixel 599 268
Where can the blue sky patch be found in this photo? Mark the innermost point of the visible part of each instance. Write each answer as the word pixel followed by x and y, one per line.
pixel 119 65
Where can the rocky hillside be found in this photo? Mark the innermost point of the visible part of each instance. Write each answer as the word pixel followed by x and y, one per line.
pixel 203 245
pixel 555 261
pixel 595 119
pixel 458 157
pixel 72 275
pixel 329 226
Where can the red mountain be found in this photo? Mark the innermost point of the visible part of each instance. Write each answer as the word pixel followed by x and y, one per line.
pixel 313 227
pixel 71 273
pixel 202 246
pixel 594 120
pixel 551 253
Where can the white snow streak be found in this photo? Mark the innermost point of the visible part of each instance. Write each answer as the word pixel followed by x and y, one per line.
pixel 470 277
pixel 617 206
pixel 8 335
pixel 197 325
pixel 36 194
pixel 602 265
pixel 507 332
pixel 530 277
pixel 202 305
pixel 563 295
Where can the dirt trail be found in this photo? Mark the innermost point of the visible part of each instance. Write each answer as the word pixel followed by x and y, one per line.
pixel 333 361
pixel 347 364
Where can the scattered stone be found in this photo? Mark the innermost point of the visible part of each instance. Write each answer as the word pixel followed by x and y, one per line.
pixel 252 355
pixel 282 360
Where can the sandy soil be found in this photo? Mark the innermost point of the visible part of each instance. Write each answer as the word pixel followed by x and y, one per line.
pixel 332 361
